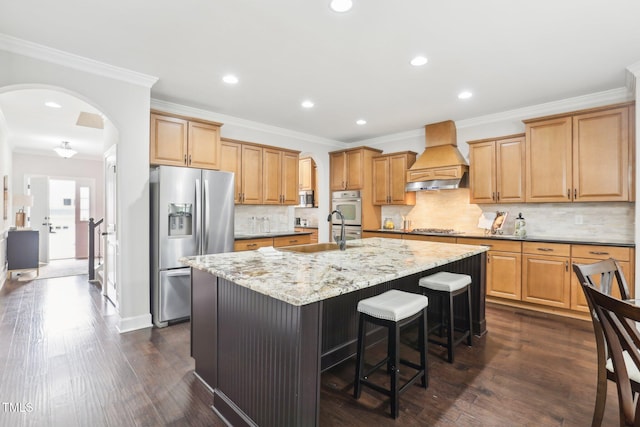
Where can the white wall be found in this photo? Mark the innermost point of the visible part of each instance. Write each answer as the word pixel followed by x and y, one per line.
pixel 57 167
pixel 5 170
pixel 124 98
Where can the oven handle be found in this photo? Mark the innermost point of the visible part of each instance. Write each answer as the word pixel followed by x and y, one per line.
pixel 346 200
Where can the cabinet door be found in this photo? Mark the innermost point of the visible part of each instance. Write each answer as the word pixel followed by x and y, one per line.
pixel 271 176
pixel 231 161
pixel 601 156
pixel 204 146
pixel 337 167
pixel 355 170
pixel 578 301
pixel 397 181
pixel 504 274
pixel 548 160
pixel 546 280
pixel 251 175
pixel 305 175
pixel 290 177
pixel 510 166
pixel 381 180
pixel 482 172
pixel 168 145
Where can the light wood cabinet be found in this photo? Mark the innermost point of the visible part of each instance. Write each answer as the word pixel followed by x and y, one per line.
pixel 366 234
pixel 389 179
pixel 280 177
pixel 546 274
pixel 302 239
pixel 347 168
pixel 496 170
pixel 504 267
pixel 245 161
pixel 579 157
pixel 179 141
pixel 313 237
pixel 588 254
pixel 440 239
pixel 307 174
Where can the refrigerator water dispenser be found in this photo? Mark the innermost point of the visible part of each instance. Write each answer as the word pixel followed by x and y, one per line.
pixel 180 219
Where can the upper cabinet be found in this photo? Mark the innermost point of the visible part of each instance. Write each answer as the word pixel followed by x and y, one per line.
pixel 307 174
pixel 178 141
pixel 280 177
pixel 496 170
pixel 264 175
pixel 347 168
pixel 581 157
pixel 389 179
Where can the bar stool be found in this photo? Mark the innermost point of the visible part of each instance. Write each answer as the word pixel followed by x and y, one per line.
pixel 445 286
pixel 392 310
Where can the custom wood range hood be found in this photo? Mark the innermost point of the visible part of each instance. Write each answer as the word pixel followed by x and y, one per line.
pixel 441 166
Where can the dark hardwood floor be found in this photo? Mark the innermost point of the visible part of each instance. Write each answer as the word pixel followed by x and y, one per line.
pixel 62 363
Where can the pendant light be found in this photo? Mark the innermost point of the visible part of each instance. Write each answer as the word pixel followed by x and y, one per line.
pixel 64 150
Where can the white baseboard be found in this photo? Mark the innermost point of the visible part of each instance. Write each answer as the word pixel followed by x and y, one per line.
pixel 129 324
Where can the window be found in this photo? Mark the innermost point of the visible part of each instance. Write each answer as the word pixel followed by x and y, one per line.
pixel 85 198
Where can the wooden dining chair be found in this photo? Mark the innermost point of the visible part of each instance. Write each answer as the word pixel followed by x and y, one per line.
pixel 618 319
pixel 606 276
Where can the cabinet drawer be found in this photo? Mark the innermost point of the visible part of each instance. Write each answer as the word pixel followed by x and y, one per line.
pixel 600 252
pixel 252 244
pixel 291 240
pixel 553 249
pixel 494 245
pixel 440 239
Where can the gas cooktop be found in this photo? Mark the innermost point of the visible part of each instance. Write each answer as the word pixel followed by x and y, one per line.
pixel 436 231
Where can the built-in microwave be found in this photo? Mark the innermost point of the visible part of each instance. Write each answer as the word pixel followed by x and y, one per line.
pixel 306 199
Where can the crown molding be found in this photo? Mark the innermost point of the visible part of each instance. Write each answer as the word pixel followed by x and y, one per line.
pixel 372 142
pixel 597 99
pixel 632 75
pixel 184 110
pixel 44 53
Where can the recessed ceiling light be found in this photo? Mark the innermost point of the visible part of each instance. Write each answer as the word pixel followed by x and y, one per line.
pixel 419 60
pixel 52 104
pixel 230 79
pixel 465 95
pixel 307 104
pixel 341 5
pixel 361 122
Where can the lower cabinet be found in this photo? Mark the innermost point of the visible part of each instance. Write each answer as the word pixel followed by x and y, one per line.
pixel 253 244
pixel 504 267
pixel 441 239
pixel 546 274
pixel 587 254
pixel 366 234
pixel 313 238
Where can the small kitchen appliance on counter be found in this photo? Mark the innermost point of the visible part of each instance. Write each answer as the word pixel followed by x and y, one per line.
pixel 520 226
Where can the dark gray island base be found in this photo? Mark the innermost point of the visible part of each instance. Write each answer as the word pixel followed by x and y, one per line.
pixel 262 357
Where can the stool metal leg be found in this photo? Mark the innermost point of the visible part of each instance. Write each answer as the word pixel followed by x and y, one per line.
pixel 422 342
pixel 359 357
pixel 395 369
pixel 470 338
pixel 450 329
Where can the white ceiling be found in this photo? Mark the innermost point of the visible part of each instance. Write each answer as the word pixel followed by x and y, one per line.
pixel 510 54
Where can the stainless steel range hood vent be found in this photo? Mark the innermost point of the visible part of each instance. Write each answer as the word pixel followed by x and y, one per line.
pixel 441 166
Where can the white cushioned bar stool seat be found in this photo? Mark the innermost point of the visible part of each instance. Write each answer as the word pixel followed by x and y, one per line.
pixel 445 281
pixel 393 305
pixel 445 286
pixel 392 309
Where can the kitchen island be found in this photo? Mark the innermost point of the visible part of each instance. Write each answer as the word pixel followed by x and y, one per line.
pixel 266 323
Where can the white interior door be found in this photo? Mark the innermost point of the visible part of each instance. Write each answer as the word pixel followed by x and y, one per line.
pixel 39 215
pixel 109 287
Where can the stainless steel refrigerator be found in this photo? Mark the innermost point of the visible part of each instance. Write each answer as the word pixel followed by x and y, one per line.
pixel 191 214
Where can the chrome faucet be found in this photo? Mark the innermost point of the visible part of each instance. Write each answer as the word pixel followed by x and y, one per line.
pixel 342 242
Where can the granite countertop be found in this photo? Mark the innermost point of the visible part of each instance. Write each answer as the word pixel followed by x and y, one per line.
pixel 241 236
pixel 548 239
pixel 305 278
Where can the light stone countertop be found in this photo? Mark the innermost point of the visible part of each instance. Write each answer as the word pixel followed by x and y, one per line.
pixel 305 278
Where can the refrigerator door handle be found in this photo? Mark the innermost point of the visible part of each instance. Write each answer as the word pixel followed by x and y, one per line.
pixel 205 220
pixel 198 221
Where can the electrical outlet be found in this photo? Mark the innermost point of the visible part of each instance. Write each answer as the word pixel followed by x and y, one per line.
pixel 577 220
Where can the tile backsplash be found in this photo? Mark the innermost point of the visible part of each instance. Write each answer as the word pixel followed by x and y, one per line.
pixel 451 209
pixel 281 218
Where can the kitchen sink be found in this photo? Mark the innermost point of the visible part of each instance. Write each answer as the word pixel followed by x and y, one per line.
pixel 312 248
